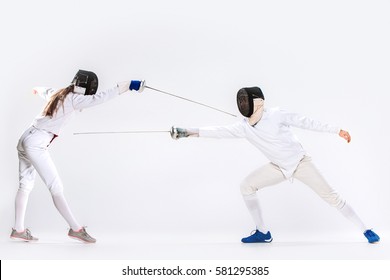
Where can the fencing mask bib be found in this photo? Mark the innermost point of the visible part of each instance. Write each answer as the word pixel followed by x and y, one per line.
pixel 85 82
pixel 245 98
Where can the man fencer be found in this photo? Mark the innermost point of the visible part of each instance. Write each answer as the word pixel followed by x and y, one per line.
pixel 269 130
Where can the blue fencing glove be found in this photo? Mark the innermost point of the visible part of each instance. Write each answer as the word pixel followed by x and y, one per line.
pixel 137 85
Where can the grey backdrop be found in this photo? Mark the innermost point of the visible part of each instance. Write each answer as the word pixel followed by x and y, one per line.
pixel 324 59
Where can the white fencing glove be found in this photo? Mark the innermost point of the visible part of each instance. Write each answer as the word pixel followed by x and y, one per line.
pixel 177 133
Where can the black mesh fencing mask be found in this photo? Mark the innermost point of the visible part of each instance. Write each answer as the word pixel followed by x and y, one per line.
pixel 245 98
pixel 86 82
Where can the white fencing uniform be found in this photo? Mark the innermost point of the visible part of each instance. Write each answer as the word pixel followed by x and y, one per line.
pixel 34 155
pixel 272 135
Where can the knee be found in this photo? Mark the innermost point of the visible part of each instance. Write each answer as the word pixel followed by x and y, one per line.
pixel 334 200
pixel 55 187
pixel 247 188
pixel 26 183
pixel 26 188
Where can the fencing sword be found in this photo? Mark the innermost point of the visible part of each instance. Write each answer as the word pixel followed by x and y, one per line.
pixel 120 132
pixel 189 100
pixel 153 131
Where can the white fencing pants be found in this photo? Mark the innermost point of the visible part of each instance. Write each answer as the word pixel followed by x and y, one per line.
pixel 306 172
pixel 34 157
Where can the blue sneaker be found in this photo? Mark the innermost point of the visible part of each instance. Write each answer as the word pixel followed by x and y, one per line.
pixel 258 237
pixel 371 236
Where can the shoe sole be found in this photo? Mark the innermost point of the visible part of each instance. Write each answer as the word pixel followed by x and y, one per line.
pixel 264 241
pixel 82 240
pixel 22 239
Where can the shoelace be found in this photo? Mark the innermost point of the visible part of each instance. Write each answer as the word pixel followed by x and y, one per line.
pixel 84 233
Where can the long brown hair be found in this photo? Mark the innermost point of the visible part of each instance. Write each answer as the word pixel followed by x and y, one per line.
pixel 56 100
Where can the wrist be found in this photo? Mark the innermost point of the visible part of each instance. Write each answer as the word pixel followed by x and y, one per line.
pixel 123 87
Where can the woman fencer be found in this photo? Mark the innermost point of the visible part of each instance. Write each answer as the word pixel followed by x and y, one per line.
pixel 33 146
pixel 269 131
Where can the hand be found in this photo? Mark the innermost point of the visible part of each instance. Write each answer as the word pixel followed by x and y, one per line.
pixel 137 85
pixel 344 134
pixel 177 133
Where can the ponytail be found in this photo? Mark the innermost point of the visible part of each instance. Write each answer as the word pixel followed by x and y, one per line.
pixel 56 100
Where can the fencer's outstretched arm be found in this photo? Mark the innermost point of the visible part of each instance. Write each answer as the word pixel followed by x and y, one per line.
pixel 308 123
pixel 85 101
pixel 137 85
pixel 300 121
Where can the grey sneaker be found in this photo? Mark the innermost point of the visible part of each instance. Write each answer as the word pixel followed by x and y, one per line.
pixel 23 236
pixel 81 235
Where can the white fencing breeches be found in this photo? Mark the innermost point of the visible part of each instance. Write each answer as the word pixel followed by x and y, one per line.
pixel 306 172
pixel 34 157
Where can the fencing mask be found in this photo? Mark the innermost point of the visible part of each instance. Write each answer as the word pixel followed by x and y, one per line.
pixel 85 82
pixel 245 98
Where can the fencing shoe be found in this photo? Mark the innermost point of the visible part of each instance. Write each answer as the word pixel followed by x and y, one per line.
pixel 371 236
pixel 23 236
pixel 258 237
pixel 81 235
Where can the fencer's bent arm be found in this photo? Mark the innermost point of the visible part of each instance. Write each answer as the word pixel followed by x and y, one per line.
pixel 236 130
pixel 44 92
pixel 307 123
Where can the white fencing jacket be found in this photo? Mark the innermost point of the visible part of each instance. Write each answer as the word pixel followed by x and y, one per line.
pixel 273 136
pixel 73 102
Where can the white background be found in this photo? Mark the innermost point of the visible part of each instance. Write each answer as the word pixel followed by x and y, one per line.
pixel 325 59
